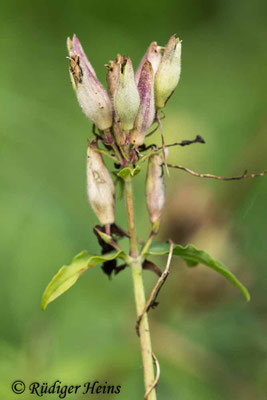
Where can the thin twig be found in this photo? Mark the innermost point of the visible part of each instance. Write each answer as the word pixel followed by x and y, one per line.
pixel 155 292
pixel 154 384
pixel 198 139
pixel 221 178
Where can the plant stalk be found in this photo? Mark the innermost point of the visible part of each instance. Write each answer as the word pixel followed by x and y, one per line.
pixel 139 292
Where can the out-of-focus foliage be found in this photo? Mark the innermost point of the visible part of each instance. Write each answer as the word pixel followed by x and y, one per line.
pixel 210 342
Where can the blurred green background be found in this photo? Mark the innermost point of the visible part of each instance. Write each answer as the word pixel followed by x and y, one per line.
pixel 210 343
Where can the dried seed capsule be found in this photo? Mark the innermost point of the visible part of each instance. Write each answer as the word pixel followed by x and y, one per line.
pixel 100 186
pixel 90 93
pixel 153 55
pixel 126 96
pixel 155 188
pixel 168 73
pixel 146 112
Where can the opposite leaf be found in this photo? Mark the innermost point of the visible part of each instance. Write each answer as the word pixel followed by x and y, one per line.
pixel 68 274
pixel 193 256
pixel 127 172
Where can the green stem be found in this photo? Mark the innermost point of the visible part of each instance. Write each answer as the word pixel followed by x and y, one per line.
pixel 130 215
pixel 147 244
pixel 139 292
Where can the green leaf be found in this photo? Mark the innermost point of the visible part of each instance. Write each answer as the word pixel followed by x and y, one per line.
pixel 68 274
pixel 128 172
pixel 193 256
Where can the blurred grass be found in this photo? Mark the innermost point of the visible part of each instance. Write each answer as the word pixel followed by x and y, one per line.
pixel 210 343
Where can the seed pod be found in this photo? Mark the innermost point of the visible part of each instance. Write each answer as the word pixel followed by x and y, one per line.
pixel 153 55
pixel 113 81
pixel 126 96
pixel 100 186
pixel 168 73
pixel 75 46
pixel 146 112
pixel 90 93
pixel 155 188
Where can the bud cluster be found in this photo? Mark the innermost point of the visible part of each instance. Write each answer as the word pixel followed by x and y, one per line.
pixel 123 115
pixel 129 107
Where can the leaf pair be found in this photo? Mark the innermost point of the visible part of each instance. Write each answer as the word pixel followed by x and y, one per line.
pixel 128 172
pixel 68 274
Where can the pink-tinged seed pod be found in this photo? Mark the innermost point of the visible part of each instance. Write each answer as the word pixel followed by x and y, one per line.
pixel 155 188
pixel 146 112
pixel 168 73
pixel 77 48
pixel 126 96
pixel 90 93
pixel 100 186
pixel 153 55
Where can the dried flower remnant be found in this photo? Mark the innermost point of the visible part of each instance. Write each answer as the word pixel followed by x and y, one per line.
pixel 100 186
